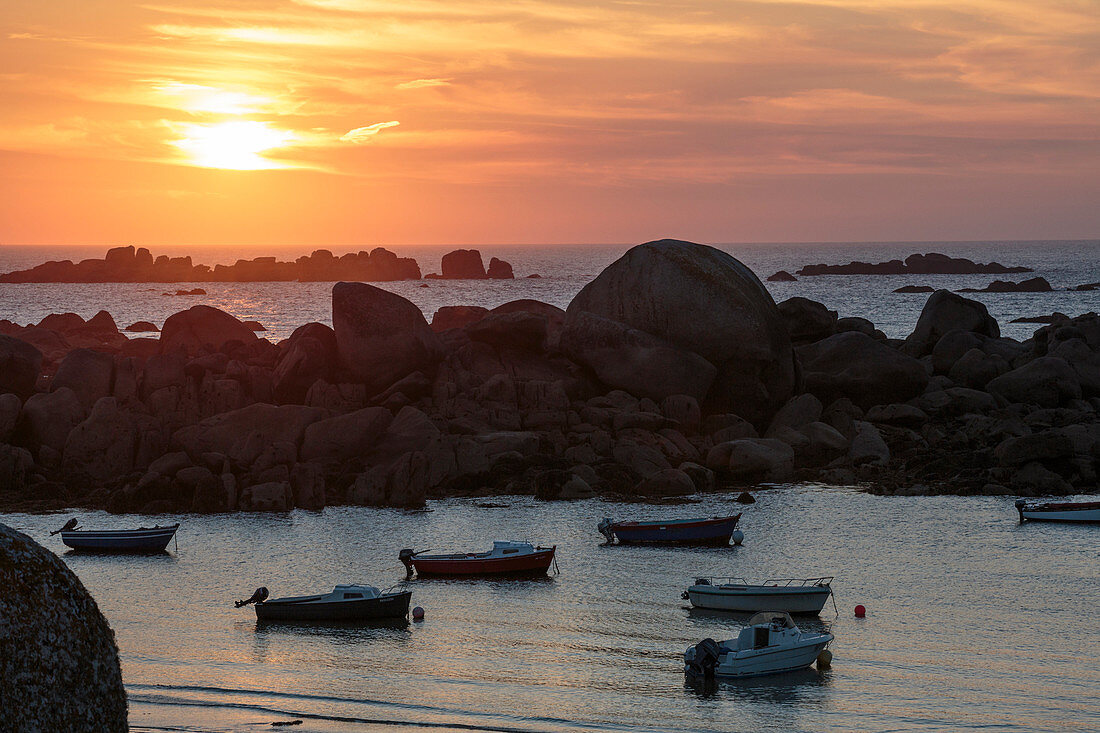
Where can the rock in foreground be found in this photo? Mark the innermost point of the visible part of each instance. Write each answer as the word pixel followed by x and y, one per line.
pixel 59 666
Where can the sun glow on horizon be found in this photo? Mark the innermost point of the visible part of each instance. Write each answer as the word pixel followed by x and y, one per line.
pixel 234 145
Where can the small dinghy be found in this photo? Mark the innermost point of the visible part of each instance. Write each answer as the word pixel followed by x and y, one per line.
pixel 506 558
pixel 792 595
pixel 1060 511
pixel 770 644
pixel 141 540
pixel 344 603
pixel 708 531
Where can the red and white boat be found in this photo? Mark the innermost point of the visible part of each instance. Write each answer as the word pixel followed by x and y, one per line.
pixel 1059 511
pixel 506 558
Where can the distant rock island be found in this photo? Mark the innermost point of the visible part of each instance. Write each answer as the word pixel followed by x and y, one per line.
pixel 1032 285
pixel 130 265
pixel 673 372
pixel 916 264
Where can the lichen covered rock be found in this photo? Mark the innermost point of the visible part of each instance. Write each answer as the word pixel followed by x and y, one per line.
pixel 59 666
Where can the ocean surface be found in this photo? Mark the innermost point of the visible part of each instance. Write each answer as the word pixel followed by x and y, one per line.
pixel 974 622
pixel 564 270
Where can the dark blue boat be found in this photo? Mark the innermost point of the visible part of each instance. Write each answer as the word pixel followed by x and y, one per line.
pixel 142 540
pixel 712 531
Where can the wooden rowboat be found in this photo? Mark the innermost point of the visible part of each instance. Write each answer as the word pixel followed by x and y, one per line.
pixel 136 541
pixel 709 531
pixel 506 558
pixel 1060 511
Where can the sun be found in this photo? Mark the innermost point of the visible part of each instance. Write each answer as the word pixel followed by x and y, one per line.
pixel 235 145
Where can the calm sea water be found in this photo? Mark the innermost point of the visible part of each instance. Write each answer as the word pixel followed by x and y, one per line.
pixel 565 269
pixel 974 621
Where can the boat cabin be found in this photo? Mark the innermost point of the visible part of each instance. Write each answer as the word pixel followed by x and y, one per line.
pixel 759 633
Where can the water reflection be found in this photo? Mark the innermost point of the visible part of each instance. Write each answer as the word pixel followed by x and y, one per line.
pixel 344 632
pixel 777 689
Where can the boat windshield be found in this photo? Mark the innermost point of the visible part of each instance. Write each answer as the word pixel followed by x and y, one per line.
pixel 782 618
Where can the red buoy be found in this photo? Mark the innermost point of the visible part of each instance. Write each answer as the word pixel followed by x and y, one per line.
pixel 418 614
pixel 860 611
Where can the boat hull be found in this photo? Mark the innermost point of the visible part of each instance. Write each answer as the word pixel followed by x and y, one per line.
pixel 746 599
pixel 758 663
pixel 389 606
pixel 534 563
pixel 1083 512
pixel 692 532
pixel 120 541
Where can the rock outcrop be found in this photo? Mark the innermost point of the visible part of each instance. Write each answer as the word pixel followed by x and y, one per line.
pixel 671 373
pixel 125 264
pixel 945 311
pixel 58 660
pixel 916 264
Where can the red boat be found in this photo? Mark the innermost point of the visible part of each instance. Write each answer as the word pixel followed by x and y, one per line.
pixel 506 558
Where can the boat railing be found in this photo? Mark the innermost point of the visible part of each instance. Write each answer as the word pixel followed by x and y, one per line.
pixel 824 580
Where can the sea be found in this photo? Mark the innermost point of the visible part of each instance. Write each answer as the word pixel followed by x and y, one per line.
pixel 974 621
pixel 564 270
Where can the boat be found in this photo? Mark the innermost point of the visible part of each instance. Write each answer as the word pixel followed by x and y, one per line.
pixel 1058 511
pixel 770 644
pixel 506 558
pixel 707 531
pixel 141 540
pixel 344 603
pixel 792 595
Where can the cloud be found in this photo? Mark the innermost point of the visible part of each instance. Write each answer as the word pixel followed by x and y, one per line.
pixel 361 135
pixel 421 83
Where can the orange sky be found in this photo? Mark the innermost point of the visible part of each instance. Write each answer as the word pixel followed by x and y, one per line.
pixel 443 121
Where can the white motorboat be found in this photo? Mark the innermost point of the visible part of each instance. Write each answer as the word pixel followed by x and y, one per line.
pixel 770 644
pixel 793 595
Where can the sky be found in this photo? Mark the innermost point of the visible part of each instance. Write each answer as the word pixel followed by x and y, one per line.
pixel 337 122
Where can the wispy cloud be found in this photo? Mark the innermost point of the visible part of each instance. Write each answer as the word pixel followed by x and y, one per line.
pixel 422 83
pixel 362 135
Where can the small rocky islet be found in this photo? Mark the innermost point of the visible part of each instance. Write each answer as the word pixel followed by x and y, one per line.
pixel 672 372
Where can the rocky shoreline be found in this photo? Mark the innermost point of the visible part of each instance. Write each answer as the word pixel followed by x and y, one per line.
pixel 673 372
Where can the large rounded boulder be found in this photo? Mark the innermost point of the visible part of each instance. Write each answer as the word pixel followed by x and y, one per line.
pixel 308 355
pixel 58 660
pixel 380 336
pixel 694 306
pixel 20 363
pixel 201 329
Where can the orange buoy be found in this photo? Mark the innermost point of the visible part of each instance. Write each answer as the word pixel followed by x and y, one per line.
pixel 860 611
pixel 418 614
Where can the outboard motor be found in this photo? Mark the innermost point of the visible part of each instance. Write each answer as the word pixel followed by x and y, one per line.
pixel 1020 504
pixel 258 597
pixel 605 529
pixel 406 556
pixel 705 659
pixel 69 525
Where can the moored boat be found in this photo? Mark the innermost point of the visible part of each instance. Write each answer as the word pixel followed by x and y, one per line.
pixel 770 644
pixel 1058 511
pixel 706 531
pixel 791 595
pixel 506 558
pixel 141 540
pixel 344 603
